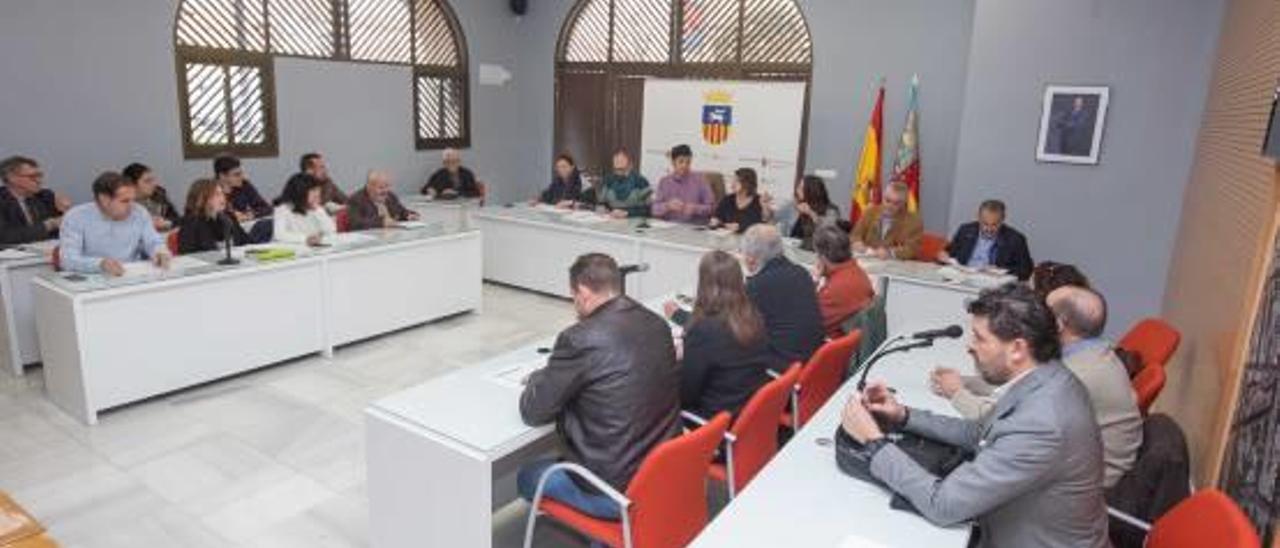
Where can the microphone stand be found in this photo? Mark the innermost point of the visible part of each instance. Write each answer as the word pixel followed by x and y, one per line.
pixel 227 260
pixel 885 351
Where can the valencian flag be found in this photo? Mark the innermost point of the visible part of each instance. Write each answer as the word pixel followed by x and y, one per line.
pixel 866 185
pixel 906 165
pixel 717 117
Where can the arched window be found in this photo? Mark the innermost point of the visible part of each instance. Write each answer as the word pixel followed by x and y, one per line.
pixel 224 51
pixel 608 47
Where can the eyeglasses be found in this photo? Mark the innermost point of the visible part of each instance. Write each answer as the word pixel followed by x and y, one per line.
pixel 30 175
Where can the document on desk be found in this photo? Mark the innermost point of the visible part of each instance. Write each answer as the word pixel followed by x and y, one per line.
pixel 411 224
pixel 348 238
pixel 659 223
pixel 15 253
pixel 855 541
pixel 148 269
pixel 515 375
pixel 586 217
pixel 42 246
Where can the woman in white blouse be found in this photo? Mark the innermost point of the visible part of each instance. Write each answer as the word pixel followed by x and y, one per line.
pixel 300 217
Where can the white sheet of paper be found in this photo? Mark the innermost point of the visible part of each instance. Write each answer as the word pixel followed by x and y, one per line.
pixel 411 224
pixel 42 245
pixel 12 253
pixel 347 238
pixel 147 269
pixel 515 375
pixel 659 223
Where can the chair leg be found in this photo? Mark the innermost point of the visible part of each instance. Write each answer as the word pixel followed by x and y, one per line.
pixel 728 467
pixel 795 410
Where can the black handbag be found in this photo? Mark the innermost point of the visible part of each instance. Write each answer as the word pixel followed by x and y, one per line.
pixel 936 457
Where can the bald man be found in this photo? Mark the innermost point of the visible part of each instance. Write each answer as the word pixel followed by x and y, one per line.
pixel 1082 316
pixel 375 206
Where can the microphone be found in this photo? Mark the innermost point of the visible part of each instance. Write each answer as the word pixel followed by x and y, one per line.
pixel 948 332
pixel 228 260
pixel 633 268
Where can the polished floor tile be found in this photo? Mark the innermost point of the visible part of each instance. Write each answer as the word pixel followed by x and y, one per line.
pixel 274 457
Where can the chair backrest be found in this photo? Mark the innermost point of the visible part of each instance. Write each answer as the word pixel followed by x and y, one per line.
pixel 820 378
pixel 669 491
pixel 756 429
pixel 1153 339
pixel 56 258
pixel 171 241
pixel 1147 384
pixel 715 180
pixel 1207 518
pixel 931 244
pixel 342 220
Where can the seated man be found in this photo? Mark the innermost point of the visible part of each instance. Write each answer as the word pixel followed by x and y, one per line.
pixel 843 287
pixel 990 242
pixel 313 164
pixel 113 230
pixel 683 195
pixel 28 213
pixel 611 385
pixel 784 294
pixel 1082 316
pixel 243 199
pixel 1036 475
pixel 889 230
pixel 375 206
pixel 452 180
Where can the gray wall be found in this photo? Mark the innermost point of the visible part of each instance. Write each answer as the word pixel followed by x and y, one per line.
pixel 94 88
pixel 1117 220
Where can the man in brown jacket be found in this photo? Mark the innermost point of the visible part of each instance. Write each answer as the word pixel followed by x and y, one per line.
pixel 888 230
pixel 375 206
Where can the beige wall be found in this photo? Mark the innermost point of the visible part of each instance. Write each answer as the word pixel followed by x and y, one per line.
pixel 1228 215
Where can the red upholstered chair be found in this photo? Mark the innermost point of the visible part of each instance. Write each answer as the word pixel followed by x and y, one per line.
pixel 484 191
pixel 665 504
pixel 1207 518
pixel 820 378
pixel 171 241
pixel 753 440
pixel 56 258
pixel 342 220
pixel 1147 384
pixel 1153 339
pixel 931 245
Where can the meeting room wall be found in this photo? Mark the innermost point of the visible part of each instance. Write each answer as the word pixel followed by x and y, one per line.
pixel 90 86
pixel 1117 220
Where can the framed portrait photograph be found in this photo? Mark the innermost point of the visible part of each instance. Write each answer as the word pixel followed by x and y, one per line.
pixel 1071 123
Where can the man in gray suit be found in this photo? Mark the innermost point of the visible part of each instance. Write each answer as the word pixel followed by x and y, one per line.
pixel 1036 477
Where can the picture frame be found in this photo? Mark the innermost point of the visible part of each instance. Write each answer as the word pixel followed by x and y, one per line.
pixel 1072 121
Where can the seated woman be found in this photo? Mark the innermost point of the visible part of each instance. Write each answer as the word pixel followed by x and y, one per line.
pixel 625 192
pixel 813 208
pixel 566 184
pixel 741 208
pixel 152 196
pixel 300 217
pixel 725 355
pixel 452 180
pixel 205 224
pixel 843 287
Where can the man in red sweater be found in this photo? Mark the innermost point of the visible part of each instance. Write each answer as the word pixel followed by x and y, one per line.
pixel 843 287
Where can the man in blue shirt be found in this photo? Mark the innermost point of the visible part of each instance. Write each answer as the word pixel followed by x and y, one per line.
pixel 989 242
pixel 103 235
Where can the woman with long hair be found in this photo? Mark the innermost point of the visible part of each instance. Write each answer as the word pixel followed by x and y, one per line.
pixel 300 217
pixel 741 208
pixel 205 223
pixel 813 208
pixel 725 353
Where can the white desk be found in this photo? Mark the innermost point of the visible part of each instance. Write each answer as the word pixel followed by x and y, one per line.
pixel 113 342
pixel 802 499
pixel 19 343
pixel 455 214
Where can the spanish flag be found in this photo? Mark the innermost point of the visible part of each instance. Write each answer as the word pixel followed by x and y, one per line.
pixel 906 165
pixel 866 186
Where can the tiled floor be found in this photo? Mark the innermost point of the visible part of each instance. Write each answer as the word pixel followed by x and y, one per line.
pixel 271 458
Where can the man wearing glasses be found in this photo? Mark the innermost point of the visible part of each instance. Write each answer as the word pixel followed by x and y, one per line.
pixel 28 212
pixel 889 230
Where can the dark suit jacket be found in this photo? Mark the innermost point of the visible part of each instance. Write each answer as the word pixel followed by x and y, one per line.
pixel 785 296
pixel 718 373
pixel 362 214
pixel 1010 251
pixel 14 228
pixel 198 233
pixel 1036 477
pixel 246 198
pixel 466 187
pixel 612 386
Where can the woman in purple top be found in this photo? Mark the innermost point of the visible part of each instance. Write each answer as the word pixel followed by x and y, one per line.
pixel 683 195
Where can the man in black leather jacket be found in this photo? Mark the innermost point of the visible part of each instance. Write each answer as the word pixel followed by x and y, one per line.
pixel 611 385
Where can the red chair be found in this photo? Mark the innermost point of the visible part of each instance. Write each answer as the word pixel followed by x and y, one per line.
pixel 1153 339
pixel 56 258
pixel 753 440
pixel 931 245
pixel 1207 518
pixel 820 378
pixel 665 504
pixel 1147 384
pixel 484 191
pixel 342 220
pixel 171 241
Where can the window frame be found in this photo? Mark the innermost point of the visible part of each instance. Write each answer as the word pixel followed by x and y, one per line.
pixel 340 33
